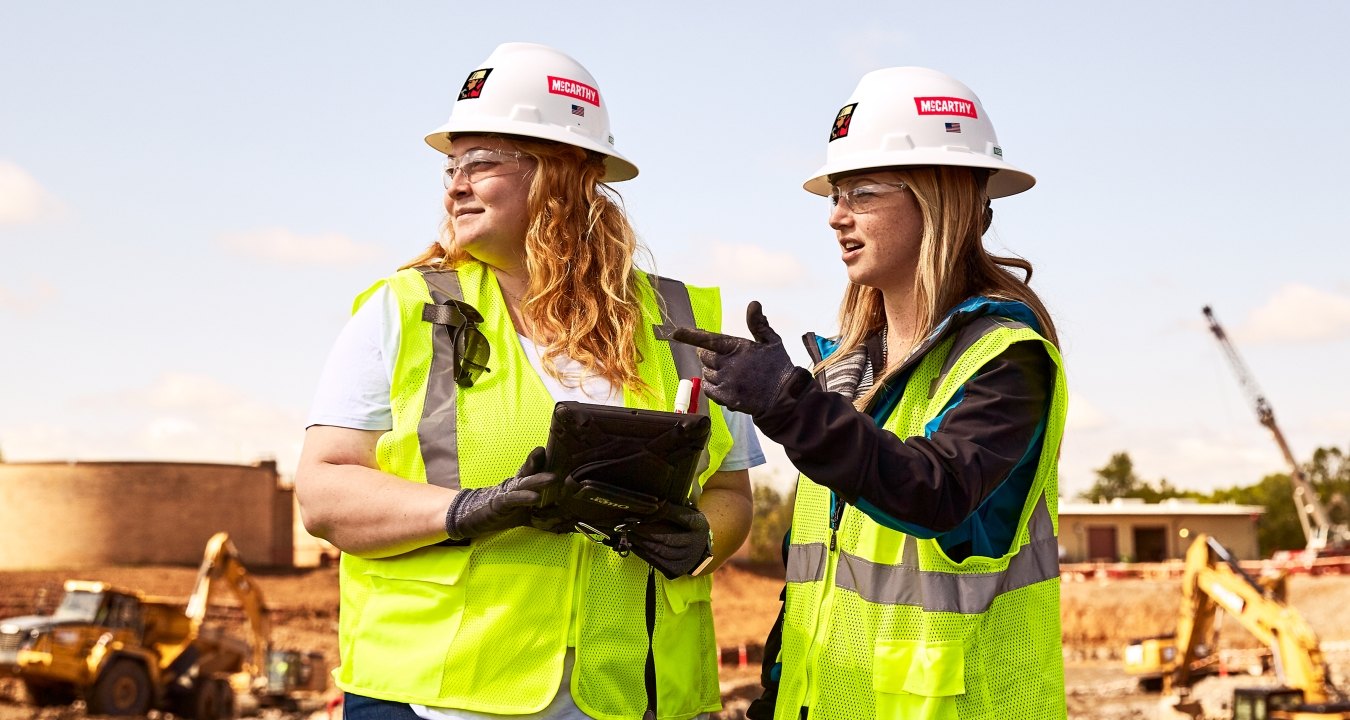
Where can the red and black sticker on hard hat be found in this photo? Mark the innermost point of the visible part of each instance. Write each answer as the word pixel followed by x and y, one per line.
pixel 842 122
pixel 473 87
pixel 945 106
pixel 573 89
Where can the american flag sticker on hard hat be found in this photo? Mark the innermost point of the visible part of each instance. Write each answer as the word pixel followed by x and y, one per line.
pixel 842 122
pixel 473 86
pixel 579 110
pixel 953 127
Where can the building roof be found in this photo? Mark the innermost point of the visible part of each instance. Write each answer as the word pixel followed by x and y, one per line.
pixel 1136 506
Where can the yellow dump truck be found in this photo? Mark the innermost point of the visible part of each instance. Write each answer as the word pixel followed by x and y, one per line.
pixel 126 653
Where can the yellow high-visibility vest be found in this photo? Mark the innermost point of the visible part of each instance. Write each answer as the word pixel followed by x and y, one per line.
pixel 485 627
pixel 881 624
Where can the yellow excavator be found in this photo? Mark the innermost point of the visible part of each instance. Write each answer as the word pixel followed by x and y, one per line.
pixel 126 653
pixel 1213 580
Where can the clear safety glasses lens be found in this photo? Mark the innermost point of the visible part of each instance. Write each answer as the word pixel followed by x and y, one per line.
pixel 865 198
pixel 481 164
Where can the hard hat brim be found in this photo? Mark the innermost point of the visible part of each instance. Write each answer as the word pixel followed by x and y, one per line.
pixel 617 167
pixel 1007 180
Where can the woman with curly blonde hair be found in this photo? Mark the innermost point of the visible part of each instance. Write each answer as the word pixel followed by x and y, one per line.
pixel 461 597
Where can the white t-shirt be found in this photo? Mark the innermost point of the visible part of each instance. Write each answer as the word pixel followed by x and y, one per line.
pixel 353 393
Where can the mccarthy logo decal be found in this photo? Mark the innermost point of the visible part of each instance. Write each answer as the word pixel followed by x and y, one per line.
pixel 945 106
pixel 842 122
pixel 473 87
pixel 574 89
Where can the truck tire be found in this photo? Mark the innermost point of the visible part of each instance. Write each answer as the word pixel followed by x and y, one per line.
pixel 214 700
pixel 122 689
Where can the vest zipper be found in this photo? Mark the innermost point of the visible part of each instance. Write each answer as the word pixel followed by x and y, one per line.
pixel 826 607
pixel 836 516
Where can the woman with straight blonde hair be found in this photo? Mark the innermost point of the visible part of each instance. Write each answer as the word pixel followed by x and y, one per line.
pixel 465 595
pixel 922 563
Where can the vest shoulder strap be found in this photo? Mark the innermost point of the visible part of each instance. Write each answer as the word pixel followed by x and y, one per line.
pixel 443 284
pixel 677 310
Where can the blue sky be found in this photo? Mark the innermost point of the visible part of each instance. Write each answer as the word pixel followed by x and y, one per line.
pixel 191 194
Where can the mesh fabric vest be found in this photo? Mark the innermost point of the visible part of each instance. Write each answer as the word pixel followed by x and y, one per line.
pixel 880 624
pixel 485 627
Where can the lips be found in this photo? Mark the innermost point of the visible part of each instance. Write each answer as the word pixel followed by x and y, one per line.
pixel 851 248
pixel 461 212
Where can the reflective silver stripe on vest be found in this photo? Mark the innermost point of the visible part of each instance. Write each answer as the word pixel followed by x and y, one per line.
pixel 437 431
pixel 806 563
pixel 677 310
pixel 906 584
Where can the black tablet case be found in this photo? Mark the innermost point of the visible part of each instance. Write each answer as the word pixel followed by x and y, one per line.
pixel 625 459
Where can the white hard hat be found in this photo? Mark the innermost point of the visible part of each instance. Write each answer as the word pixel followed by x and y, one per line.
pixel 915 116
pixel 535 91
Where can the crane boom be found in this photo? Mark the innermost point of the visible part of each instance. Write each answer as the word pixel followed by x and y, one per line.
pixel 1312 515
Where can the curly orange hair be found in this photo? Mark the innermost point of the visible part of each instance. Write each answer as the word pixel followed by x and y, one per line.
pixel 582 300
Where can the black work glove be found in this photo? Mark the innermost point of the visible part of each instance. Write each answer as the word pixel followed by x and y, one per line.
pixel 492 509
pixel 677 541
pixel 741 374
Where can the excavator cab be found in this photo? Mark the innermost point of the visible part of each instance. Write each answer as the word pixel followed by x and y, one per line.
pixel 1260 703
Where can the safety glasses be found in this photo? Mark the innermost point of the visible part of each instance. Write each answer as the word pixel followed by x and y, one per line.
pixel 481 164
pixel 865 198
pixel 471 349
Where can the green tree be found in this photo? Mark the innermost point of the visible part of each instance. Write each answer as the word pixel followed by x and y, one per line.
pixel 1116 479
pixel 771 519
pixel 1165 491
pixel 1278 528
pixel 1329 474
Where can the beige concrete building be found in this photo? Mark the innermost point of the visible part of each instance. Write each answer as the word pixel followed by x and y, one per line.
pixel 1129 530
pixel 83 514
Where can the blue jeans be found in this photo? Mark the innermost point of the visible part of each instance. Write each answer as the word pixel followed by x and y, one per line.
pixel 360 707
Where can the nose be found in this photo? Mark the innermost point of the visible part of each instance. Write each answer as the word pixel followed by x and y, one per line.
pixel 840 216
pixel 459 184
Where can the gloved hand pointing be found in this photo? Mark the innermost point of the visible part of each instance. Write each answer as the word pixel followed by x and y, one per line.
pixel 741 374
pixel 492 509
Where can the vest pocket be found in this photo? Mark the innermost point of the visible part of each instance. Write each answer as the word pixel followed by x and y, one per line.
pixel 917 679
pixel 683 591
pixel 415 605
pixel 685 647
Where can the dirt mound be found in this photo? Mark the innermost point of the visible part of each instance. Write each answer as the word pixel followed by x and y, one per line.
pixel 1099 617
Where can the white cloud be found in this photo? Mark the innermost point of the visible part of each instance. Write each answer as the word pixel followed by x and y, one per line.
pixel 1298 313
pixel 284 247
pixel 1083 415
pixel 868 49
pixel 38 295
pixel 751 266
pixel 180 417
pixel 22 197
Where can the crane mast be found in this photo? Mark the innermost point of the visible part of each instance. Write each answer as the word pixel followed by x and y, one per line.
pixel 1312 515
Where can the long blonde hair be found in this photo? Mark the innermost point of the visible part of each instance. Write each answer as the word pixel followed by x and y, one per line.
pixel 582 300
pixel 953 263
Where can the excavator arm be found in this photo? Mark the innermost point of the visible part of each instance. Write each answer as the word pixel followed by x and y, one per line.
pixel 221 562
pixel 1213 580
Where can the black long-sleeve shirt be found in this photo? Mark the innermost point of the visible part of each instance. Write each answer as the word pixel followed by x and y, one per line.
pixel 966 478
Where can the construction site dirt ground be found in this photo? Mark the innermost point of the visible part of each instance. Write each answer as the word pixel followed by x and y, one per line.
pixel 1100 618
